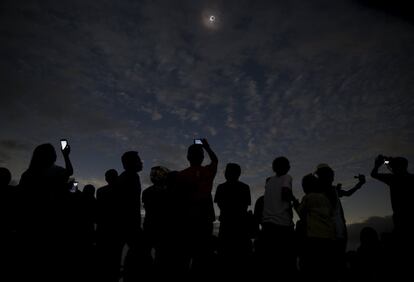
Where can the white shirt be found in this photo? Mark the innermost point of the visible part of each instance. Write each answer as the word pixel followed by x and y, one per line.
pixel 276 210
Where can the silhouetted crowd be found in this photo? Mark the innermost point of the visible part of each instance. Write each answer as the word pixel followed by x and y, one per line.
pixel 53 231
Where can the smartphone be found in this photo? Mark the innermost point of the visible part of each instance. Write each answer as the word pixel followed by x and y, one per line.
pixel 74 187
pixel 198 141
pixel 63 143
pixel 386 162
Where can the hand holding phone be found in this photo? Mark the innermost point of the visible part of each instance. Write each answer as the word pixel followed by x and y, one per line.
pixel 74 187
pixel 198 141
pixel 63 144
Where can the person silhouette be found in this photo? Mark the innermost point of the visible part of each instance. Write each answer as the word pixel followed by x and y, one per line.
pixel 196 183
pixel 89 213
pixel 8 202
pixel 157 204
pixel 400 182
pixel 233 199
pixel 9 216
pixel 317 229
pixel 326 177
pixel 370 256
pixel 46 215
pixel 109 243
pixel 129 192
pixel 278 227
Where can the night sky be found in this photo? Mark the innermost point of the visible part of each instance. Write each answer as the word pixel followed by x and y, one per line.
pixel 316 81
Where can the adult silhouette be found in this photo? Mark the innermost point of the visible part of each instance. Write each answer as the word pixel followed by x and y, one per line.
pixel 157 204
pixel 233 199
pixel 317 231
pixel 326 177
pixel 109 243
pixel 370 257
pixel 8 202
pixel 9 211
pixel 129 193
pixel 401 183
pixel 278 227
pixel 196 183
pixel 46 215
pixel 258 238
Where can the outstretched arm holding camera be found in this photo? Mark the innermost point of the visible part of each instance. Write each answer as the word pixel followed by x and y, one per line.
pixel 383 177
pixel 68 163
pixel 347 193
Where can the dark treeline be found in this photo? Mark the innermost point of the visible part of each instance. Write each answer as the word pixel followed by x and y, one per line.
pixel 52 231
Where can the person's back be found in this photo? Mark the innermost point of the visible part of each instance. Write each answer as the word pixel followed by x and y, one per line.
pixel 129 192
pixel 232 197
pixel 317 215
pixel 8 202
pixel 195 184
pixel 276 210
pixel 401 184
pixel 370 256
pixel 315 212
pixel 9 242
pixel 278 228
pixel 45 210
pixel 197 181
pixel 156 201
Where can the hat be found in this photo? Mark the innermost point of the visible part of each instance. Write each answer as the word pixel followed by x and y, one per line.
pixel 322 165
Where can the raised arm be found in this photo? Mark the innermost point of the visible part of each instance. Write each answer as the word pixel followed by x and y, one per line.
pixel 211 154
pixel 379 161
pixel 347 193
pixel 68 164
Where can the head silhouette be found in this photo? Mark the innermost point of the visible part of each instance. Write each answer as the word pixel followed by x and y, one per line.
pixel 131 161
pixel 89 190
pixel 309 183
pixel 399 165
pixel 5 176
pixel 325 174
pixel 111 176
pixel 159 175
pixel 368 236
pixel 281 166
pixel 195 154
pixel 232 172
pixel 44 156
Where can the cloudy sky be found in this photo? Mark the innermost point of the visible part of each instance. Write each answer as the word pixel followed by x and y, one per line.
pixel 316 81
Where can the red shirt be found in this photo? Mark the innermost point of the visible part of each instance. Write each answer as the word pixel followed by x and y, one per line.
pixel 197 183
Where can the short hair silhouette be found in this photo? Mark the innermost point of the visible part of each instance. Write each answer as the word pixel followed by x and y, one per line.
pixel 89 190
pixel 325 173
pixel 399 165
pixel 44 156
pixel 111 175
pixel 232 172
pixel 281 165
pixel 309 183
pixel 131 161
pixel 5 176
pixel 158 174
pixel 195 154
pixel 368 235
